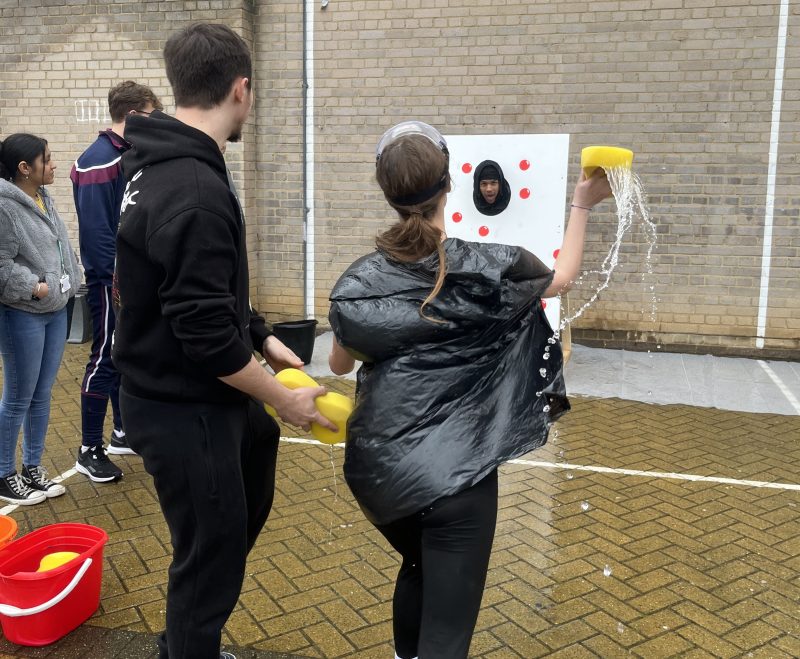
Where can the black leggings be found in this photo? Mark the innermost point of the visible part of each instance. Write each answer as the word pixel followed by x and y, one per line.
pixel 445 550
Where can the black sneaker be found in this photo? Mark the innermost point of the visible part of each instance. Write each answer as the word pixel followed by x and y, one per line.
pixel 14 490
pixel 118 445
pixel 95 464
pixel 36 479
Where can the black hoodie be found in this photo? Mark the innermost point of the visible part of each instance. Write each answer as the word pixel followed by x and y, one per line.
pixel 503 197
pixel 184 316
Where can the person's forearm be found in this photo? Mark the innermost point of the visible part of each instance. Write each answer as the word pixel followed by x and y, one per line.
pixel 340 361
pixel 256 382
pixel 570 255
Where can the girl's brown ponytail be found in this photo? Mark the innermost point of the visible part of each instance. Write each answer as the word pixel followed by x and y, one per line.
pixel 408 166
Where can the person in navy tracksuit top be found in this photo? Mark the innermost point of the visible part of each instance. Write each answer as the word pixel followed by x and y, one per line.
pixel 98 187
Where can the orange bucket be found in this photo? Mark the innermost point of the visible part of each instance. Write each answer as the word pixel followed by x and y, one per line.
pixel 8 530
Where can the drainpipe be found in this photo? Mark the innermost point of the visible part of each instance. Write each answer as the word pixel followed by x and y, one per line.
pixel 308 156
pixel 772 168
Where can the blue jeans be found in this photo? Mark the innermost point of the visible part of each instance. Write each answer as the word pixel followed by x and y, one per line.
pixel 32 345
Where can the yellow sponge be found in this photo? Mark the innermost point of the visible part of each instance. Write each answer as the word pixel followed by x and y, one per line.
pixel 56 559
pixel 333 406
pixel 605 157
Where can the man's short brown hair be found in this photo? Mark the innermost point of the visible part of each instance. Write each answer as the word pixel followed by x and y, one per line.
pixel 203 60
pixel 130 95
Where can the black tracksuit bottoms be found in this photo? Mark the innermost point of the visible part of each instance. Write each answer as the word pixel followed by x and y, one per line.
pixel 213 466
pixel 445 550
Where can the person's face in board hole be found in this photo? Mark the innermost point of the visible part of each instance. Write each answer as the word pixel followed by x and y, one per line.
pixel 489 190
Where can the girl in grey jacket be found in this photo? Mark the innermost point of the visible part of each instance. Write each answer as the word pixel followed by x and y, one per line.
pixel 39 273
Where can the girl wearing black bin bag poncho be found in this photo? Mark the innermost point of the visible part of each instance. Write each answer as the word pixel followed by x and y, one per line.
pixel 452 335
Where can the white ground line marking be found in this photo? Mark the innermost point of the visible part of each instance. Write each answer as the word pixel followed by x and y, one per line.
pixel 780 384
pixel 657 474
pixel 547 465
pixel 58 479
pixel 610 470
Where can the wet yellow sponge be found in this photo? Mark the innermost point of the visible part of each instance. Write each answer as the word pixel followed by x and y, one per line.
pixel 333 405
pixel 56 559
pixel 606 157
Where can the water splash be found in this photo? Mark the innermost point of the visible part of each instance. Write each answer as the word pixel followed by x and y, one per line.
pixel 335 479
pixel 631 206
pixel 335 495
pixel 585 506
pixel 607 571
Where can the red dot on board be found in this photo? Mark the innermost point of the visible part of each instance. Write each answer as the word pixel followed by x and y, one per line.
pixel 556 252
pixel 524 165
pixel 544 304
pixel 524 193
pixel 457 217
pixel 484 231
pixel 466 168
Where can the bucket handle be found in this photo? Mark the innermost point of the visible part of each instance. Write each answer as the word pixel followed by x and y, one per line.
pixel 14 612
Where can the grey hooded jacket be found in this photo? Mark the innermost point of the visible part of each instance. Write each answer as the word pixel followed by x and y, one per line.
pixel 29 242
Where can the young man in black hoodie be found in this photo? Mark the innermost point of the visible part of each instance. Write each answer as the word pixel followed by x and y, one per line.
pixel 190 386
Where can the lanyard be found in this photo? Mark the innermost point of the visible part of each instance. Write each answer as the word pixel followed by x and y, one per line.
pixel 61 255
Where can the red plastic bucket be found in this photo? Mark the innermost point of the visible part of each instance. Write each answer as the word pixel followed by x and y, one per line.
pixel 38 608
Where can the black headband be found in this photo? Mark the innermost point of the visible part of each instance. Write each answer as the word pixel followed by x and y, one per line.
pixel 427 193
pixel 423 195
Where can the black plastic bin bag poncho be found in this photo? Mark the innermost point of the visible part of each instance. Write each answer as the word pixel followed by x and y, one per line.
pixel 439 405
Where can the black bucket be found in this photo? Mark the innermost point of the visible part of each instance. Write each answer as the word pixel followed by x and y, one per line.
pixel 298 336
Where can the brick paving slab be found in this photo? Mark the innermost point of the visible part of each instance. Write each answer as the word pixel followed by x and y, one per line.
pixel 586 563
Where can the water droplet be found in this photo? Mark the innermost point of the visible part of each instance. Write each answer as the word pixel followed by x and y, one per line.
pixel 538 393
pixel 664 627
pixel 546 355
pixel 607 572
pixel 584 506
pixel 620 628
pixel 543 372
pixel 561 454
pixel 649 393
pixel 570 476
pixel 659 346
pixel 551 341
pixel 546 409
